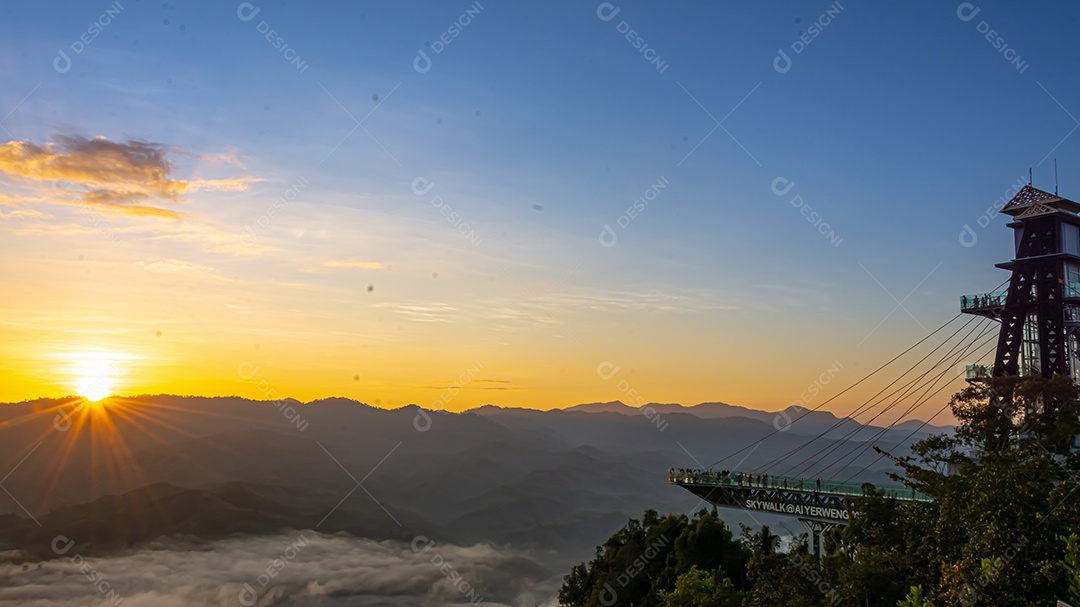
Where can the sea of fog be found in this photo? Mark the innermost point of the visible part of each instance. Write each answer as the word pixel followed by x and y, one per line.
pixel 293 569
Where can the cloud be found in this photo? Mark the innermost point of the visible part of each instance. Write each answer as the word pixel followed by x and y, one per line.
pixel 231 156
pixel 23 214
pixel 233 184
pixel 119 176
pixel 173 265
pixel 14 201
pixel 363 265
pixel 307 568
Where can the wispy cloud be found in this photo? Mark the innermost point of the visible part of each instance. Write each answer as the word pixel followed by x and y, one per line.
pixel 362 265
pixel 23 214
pixel 230 156
pixel 173 265
pixel 232 184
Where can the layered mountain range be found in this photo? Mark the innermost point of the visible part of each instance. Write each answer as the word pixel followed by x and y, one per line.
pixel 543 486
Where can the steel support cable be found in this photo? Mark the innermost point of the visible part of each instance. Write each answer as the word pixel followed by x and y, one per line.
pixel 913 386
pixel 872 442
pixel 839 394
pixel 916 430
pixel 874 401
pixel 919 402
pixel 852 454
pixel 870 403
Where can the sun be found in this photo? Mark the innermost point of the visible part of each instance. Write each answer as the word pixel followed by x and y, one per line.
pixel 95 374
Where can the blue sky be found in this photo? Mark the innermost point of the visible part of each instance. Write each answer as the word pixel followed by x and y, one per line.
pixel 539 124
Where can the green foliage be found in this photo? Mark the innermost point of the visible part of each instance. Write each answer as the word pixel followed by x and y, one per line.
pixel 915 598
pixel 697 588
pixel 1071 564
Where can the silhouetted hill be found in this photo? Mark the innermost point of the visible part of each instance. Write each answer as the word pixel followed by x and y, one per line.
pixel 614 406
pixel 116 522
pixel 794 419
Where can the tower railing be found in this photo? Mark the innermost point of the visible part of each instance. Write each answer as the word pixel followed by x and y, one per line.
pixel 1072 289
pixel 984 300
pixel 1072 314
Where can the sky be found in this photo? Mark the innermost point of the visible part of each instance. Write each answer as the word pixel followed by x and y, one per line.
pixel 532 205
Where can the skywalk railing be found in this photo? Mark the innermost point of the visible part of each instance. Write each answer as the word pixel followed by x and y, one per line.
pixel 765 481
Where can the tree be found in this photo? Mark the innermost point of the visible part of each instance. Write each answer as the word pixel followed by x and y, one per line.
pixel 873 560
pixel 794 579
pixel 698 588
pixel 647 557
pixel 1002 486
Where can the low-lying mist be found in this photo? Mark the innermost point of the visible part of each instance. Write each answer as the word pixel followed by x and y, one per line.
pixel 297 568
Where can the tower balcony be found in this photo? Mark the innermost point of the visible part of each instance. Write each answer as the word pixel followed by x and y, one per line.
pixel 990 305
pixel 978 372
